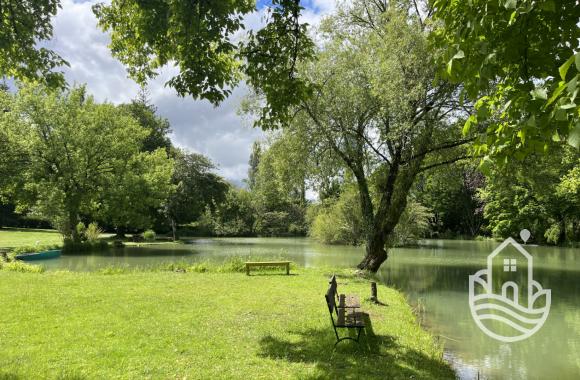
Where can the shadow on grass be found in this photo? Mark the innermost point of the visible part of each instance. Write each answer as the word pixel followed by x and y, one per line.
pixel 374 357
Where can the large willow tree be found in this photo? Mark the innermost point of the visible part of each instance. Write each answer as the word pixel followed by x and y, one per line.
pixel 378 109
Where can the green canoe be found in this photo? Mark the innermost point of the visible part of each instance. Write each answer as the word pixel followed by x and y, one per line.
pixel 39 255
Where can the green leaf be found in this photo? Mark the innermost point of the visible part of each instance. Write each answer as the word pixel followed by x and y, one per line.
pixel 460 54
pixel 513 17
pixel 483 112
pixel 572 84
pixel 564 68
pixel 531 121
pixel 568 106
pixel 467 126
pixel 556 93
pixel 577 59
pixel 574 136
pixel 548 5
pixel 510 4
pixel 485 165
pixel 539 93
pixel 522 135
pixel 561 115
pixel 449 66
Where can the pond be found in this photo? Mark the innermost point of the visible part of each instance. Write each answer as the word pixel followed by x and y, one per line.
pixel 435 278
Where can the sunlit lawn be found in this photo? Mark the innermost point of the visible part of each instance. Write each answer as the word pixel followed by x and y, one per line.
pixel 166 325
pixel 15 237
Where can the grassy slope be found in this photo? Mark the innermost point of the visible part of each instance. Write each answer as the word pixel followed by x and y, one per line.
pixel 176 325
pixel 16 237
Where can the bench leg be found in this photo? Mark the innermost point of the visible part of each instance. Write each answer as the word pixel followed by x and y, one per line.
pixel 338 340
pixel 345 338
pixel 247 270
pixel 287 269
pixel 358 335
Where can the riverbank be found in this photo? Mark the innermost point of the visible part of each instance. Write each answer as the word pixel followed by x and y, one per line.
pixel 14 238
pixel 201 325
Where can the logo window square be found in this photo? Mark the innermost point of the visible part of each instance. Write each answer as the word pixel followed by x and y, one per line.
pixel 506 265
pixel 509 265
pixel 513 265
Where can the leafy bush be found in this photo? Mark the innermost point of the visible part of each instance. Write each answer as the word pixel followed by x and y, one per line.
pixel 81 230
pixel 93 232
pixel 413 224
pixel 149 235
pixel 339 221
pixel 553 234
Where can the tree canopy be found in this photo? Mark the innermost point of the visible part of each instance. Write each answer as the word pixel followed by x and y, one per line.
pixel 23 25
pixel 518 60
pixel 196 188
pixel 76 153
pixel 202 38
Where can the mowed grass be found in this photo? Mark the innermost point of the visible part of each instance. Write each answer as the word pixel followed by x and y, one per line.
pixel 167 325
pixel 16 237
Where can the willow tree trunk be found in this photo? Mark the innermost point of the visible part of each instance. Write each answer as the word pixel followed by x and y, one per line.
pixel 396 186
pixel 376 254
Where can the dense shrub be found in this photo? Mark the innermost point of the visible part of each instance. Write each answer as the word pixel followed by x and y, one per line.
pixel 413 225
pixel 81 230
pixel 149 235
pixel 338 221
pixel 93 232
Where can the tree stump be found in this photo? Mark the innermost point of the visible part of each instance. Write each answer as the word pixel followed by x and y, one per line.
pixel 374 297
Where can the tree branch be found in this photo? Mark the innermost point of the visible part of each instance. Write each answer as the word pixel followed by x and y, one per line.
pixel 447 162
pixel 447 145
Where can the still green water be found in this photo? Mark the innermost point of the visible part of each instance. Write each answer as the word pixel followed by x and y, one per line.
pixel 435 278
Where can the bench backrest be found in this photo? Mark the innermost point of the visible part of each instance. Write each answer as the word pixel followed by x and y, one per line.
pixel 333 283
pixel 332 280
pixel 330 299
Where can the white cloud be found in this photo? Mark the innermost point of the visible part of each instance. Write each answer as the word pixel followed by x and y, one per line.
pixel 217 132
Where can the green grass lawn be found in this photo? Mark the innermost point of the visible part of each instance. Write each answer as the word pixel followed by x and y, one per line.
pixel 17 237
pixel 167 325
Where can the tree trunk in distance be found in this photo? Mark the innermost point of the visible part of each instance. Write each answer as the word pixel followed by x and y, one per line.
pixel 174 229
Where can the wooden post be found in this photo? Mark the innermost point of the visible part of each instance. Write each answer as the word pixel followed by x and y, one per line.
pixel 374 297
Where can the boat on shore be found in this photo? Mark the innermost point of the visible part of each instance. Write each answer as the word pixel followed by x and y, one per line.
pixel 52 254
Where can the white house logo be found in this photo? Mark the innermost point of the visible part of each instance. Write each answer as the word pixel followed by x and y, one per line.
pixel 505 301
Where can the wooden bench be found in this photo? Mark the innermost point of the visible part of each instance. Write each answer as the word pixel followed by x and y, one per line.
pixel 268 264
pixel 344 300
pixel 346 317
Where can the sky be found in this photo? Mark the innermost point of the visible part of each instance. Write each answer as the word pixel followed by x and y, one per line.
pixel 217 132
